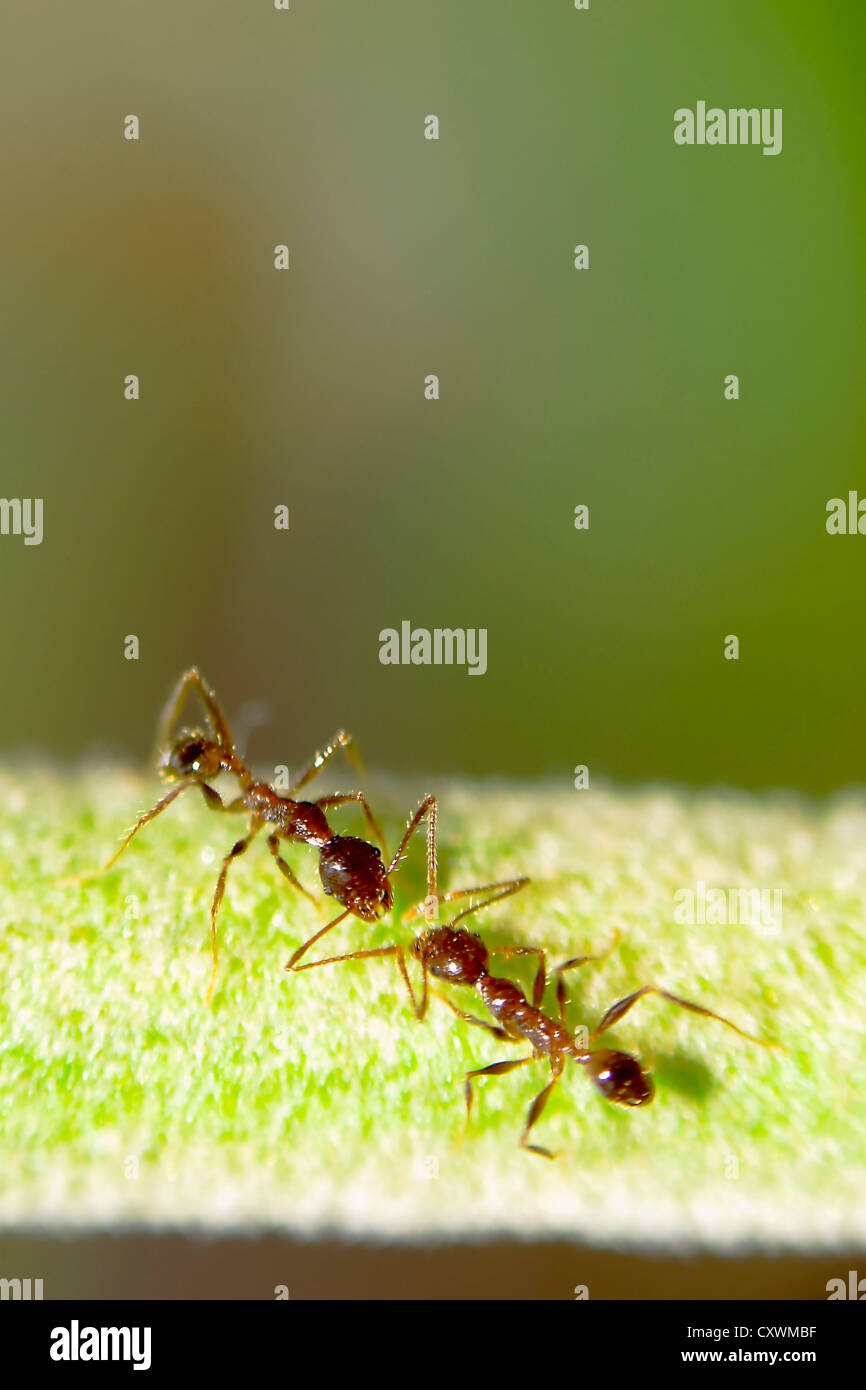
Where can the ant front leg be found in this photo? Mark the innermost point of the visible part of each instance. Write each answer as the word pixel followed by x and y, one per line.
pixel 192 680
pixel 380 952
pixel 498 891
pixel 311 941
pixel 619 1010
pixel 341 740
pixel 237 849
pixel 428 809
pixel 212 799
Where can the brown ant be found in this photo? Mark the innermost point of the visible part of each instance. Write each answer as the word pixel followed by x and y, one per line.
pixel 350 869
pixel 459 956
pixel 453 954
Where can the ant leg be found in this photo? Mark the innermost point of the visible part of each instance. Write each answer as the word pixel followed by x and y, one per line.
pixel 535 1110
pixel 215 801
pixel 192 680
pixel 497 892
pixel 495 1069
pixel 211 797
pixel 430 808
pixel 287 872
pixel 507 887
pixel 373 825
pixel 427 808
pixel 540 981
pixel 381 952
pixel 619 1010
pixel 302 950
pixel 142 821
pixel 237 849
pixel 340 740
pixel 493 1028
pixel 574 964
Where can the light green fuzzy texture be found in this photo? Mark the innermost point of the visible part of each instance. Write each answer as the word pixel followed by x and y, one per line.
pixel 316 1103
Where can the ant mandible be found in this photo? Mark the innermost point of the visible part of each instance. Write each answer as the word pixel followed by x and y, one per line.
pixel 452 953
pixel 351 870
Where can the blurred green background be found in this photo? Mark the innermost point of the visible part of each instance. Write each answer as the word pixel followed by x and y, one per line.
pixel 559 387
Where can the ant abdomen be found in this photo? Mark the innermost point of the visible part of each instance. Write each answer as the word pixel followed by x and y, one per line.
pixel 618 1076
pixel 352 872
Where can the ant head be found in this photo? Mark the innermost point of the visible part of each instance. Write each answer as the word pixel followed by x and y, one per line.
pixel 456 955
pixel 352 872
pixel 193 755
pixel 619 1077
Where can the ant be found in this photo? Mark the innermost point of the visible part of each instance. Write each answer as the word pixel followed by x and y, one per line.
pixel 452 953
pixel 459 956
pixel 351 870
pixel 428 907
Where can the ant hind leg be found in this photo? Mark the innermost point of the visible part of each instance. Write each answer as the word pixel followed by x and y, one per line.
pixel 619 1010
pixel 574 964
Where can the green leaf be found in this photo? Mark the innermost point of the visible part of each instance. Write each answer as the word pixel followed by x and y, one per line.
pixel 317 1101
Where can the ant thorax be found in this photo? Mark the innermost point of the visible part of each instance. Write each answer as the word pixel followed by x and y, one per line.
pixel 295 820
